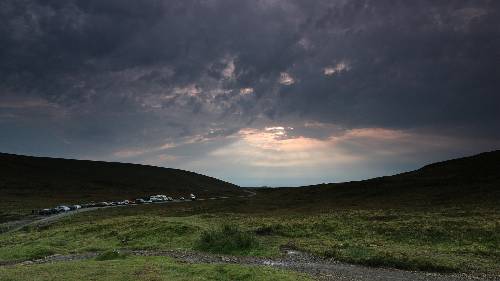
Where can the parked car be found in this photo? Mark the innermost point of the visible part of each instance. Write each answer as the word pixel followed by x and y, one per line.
pixel 119 203
pixel 154 198
pixel 193 197
pixel 158 198
pixel 102 204
pixel 182 199
pixel 75 207
pixel 63 208
pixel 88 205
pixel 54 211
pixel 45 212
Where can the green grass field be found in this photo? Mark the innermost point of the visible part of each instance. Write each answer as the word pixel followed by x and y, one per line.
pixel 449 239
pixel 143 268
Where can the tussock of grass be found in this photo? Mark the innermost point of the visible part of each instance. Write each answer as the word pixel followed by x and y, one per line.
pixel 228 239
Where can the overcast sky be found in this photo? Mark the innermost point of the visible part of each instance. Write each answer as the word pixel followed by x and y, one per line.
pixel 255 92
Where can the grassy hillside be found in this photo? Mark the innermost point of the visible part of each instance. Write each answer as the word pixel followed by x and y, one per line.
pixel 468 181
pixel 35 182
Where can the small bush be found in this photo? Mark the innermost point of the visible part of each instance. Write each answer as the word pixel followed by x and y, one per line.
pixel 228 239
pixel 110 255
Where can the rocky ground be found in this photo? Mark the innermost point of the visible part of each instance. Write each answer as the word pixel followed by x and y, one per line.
pixel 318 268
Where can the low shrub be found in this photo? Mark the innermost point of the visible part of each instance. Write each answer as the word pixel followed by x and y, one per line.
pixel 228 239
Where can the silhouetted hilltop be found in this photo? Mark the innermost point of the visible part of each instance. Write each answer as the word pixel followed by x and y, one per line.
pixel 471 180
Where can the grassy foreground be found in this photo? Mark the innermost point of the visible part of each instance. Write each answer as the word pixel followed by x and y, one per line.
pixel 449 239
pixel 142 268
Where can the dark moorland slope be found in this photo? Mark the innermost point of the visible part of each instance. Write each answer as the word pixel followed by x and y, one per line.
pixel 473 181
pixel 39 181
pixel 32 182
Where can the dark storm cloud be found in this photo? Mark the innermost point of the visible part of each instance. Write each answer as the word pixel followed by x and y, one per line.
pixel 100 75
pixel 125 69
pixel 412 64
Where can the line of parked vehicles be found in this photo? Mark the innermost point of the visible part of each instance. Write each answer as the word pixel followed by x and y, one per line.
pixel 144 200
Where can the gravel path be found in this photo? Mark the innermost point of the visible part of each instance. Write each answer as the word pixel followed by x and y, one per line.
pixel 318 268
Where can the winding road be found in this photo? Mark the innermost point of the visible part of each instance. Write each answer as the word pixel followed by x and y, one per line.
pixel 42 220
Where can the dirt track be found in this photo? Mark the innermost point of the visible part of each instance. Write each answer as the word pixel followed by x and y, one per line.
pixel 318 268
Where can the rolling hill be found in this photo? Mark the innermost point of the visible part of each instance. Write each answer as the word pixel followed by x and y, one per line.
pixel 32 182
pixel 472 181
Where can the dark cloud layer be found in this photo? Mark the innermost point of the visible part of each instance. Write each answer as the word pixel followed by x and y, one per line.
pixel 90 77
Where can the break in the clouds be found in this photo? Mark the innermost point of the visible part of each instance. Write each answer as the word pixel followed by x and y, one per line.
pixel 258 92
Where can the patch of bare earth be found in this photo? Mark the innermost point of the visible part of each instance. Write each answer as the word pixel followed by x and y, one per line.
pixel 316 267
